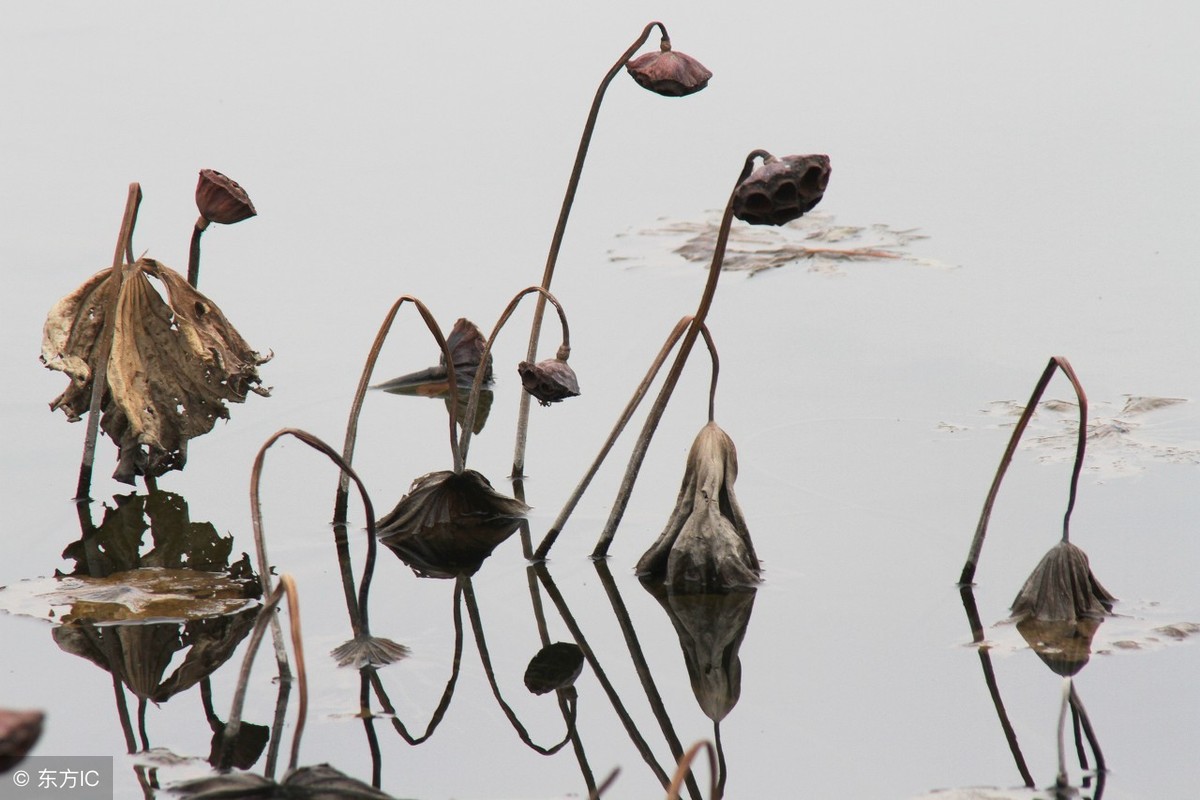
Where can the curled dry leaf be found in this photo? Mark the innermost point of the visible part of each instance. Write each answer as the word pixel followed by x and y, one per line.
pixel 172 364
pixel 706 545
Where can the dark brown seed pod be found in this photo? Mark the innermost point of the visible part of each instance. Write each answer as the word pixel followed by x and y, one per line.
pixel 669 72
pixel 222 199
pixel 549 381
pixel 782 189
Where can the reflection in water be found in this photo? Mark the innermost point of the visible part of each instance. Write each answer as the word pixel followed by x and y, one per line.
pixel 449 522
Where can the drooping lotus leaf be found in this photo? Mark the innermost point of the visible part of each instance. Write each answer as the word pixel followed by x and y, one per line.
pixel 449 522
pixel 466 344
pixel 172 364
pixel 1062 588
pixel 706 545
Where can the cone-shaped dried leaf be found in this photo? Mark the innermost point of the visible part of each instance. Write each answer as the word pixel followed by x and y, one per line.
pixel 710 628
pixel 556 666
pixel 369 651
pixel 19 732
pixel 1062 588
pixel 173 363
pixel 449 522
pixel 549 381
pixel 669 72
pixel 782 189
pixel 706 545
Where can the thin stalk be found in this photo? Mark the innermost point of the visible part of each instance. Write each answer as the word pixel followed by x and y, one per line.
pixel 685 769
pixel 486 660
pixel 193 275
pixel 1081 713
pixel 1061 779
pixel 286 586
pixel 635 736
pixel 642 667
pixel 1056 362
pixel 560 229
pixel 685 348
pixel 564 352
pixel 343 490
pixel 363 627
pixel 638 394
pixel 104 345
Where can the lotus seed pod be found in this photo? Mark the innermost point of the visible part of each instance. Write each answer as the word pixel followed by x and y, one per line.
pixel 782 189
pixel 221 199
pixel 549 381
pixel 669 72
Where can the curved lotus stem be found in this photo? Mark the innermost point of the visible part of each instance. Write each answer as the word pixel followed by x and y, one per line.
pixel 560 228
pixel 564 351
pixel 343 490
pixel 1056 362
pixel 104 345
pixel 685 768
pixel 287 585
pixel 685 349
pixel 359 617
pixel 638 394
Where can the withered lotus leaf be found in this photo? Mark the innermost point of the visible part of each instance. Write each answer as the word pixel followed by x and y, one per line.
pixel 172 364
pixel 706 545
pixel 1062 588
pixel 449 523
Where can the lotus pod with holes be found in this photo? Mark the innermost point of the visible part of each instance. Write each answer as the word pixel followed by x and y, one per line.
pixel 782 189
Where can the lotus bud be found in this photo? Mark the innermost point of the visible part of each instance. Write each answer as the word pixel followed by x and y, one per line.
pixel 551 380
pixel 221 199
pixel 782 189
pixel 668 72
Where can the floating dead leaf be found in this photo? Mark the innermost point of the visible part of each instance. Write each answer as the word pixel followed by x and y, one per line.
pixel 815 239
pixel 172 364
pixel 141 595
pixel 449 522
pixel 706 545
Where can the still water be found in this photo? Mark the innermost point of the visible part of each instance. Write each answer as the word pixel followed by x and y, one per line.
pixel 1031 169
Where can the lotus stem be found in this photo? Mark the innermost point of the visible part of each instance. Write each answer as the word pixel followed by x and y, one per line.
pixel 260 542
pixel 564 351
pixel 518 469
pixel 343 490
pixel 485 659
pixel 685 348
pixel 1056 362
pixel 104 345
pixel 685 769
pixel 287 585
pixel 193 274
pixel 1081 714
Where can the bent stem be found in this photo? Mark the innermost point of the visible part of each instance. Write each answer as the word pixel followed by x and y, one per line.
pixel 518 469
pixel 638 394
pixel 564 351
pixel 358 615
pixel 104 346
pixel 343 491
pixel 287 585
pixel 685 348
pixel 685 769
pixel 1056 362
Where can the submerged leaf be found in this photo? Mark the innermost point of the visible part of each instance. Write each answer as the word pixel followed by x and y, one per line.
pixel 172 364
pixel 706 545
pixel 449 522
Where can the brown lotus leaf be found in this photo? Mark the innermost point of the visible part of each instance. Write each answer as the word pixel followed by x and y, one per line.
pixel 1062 588
pixel 706 545
pixel 172 364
